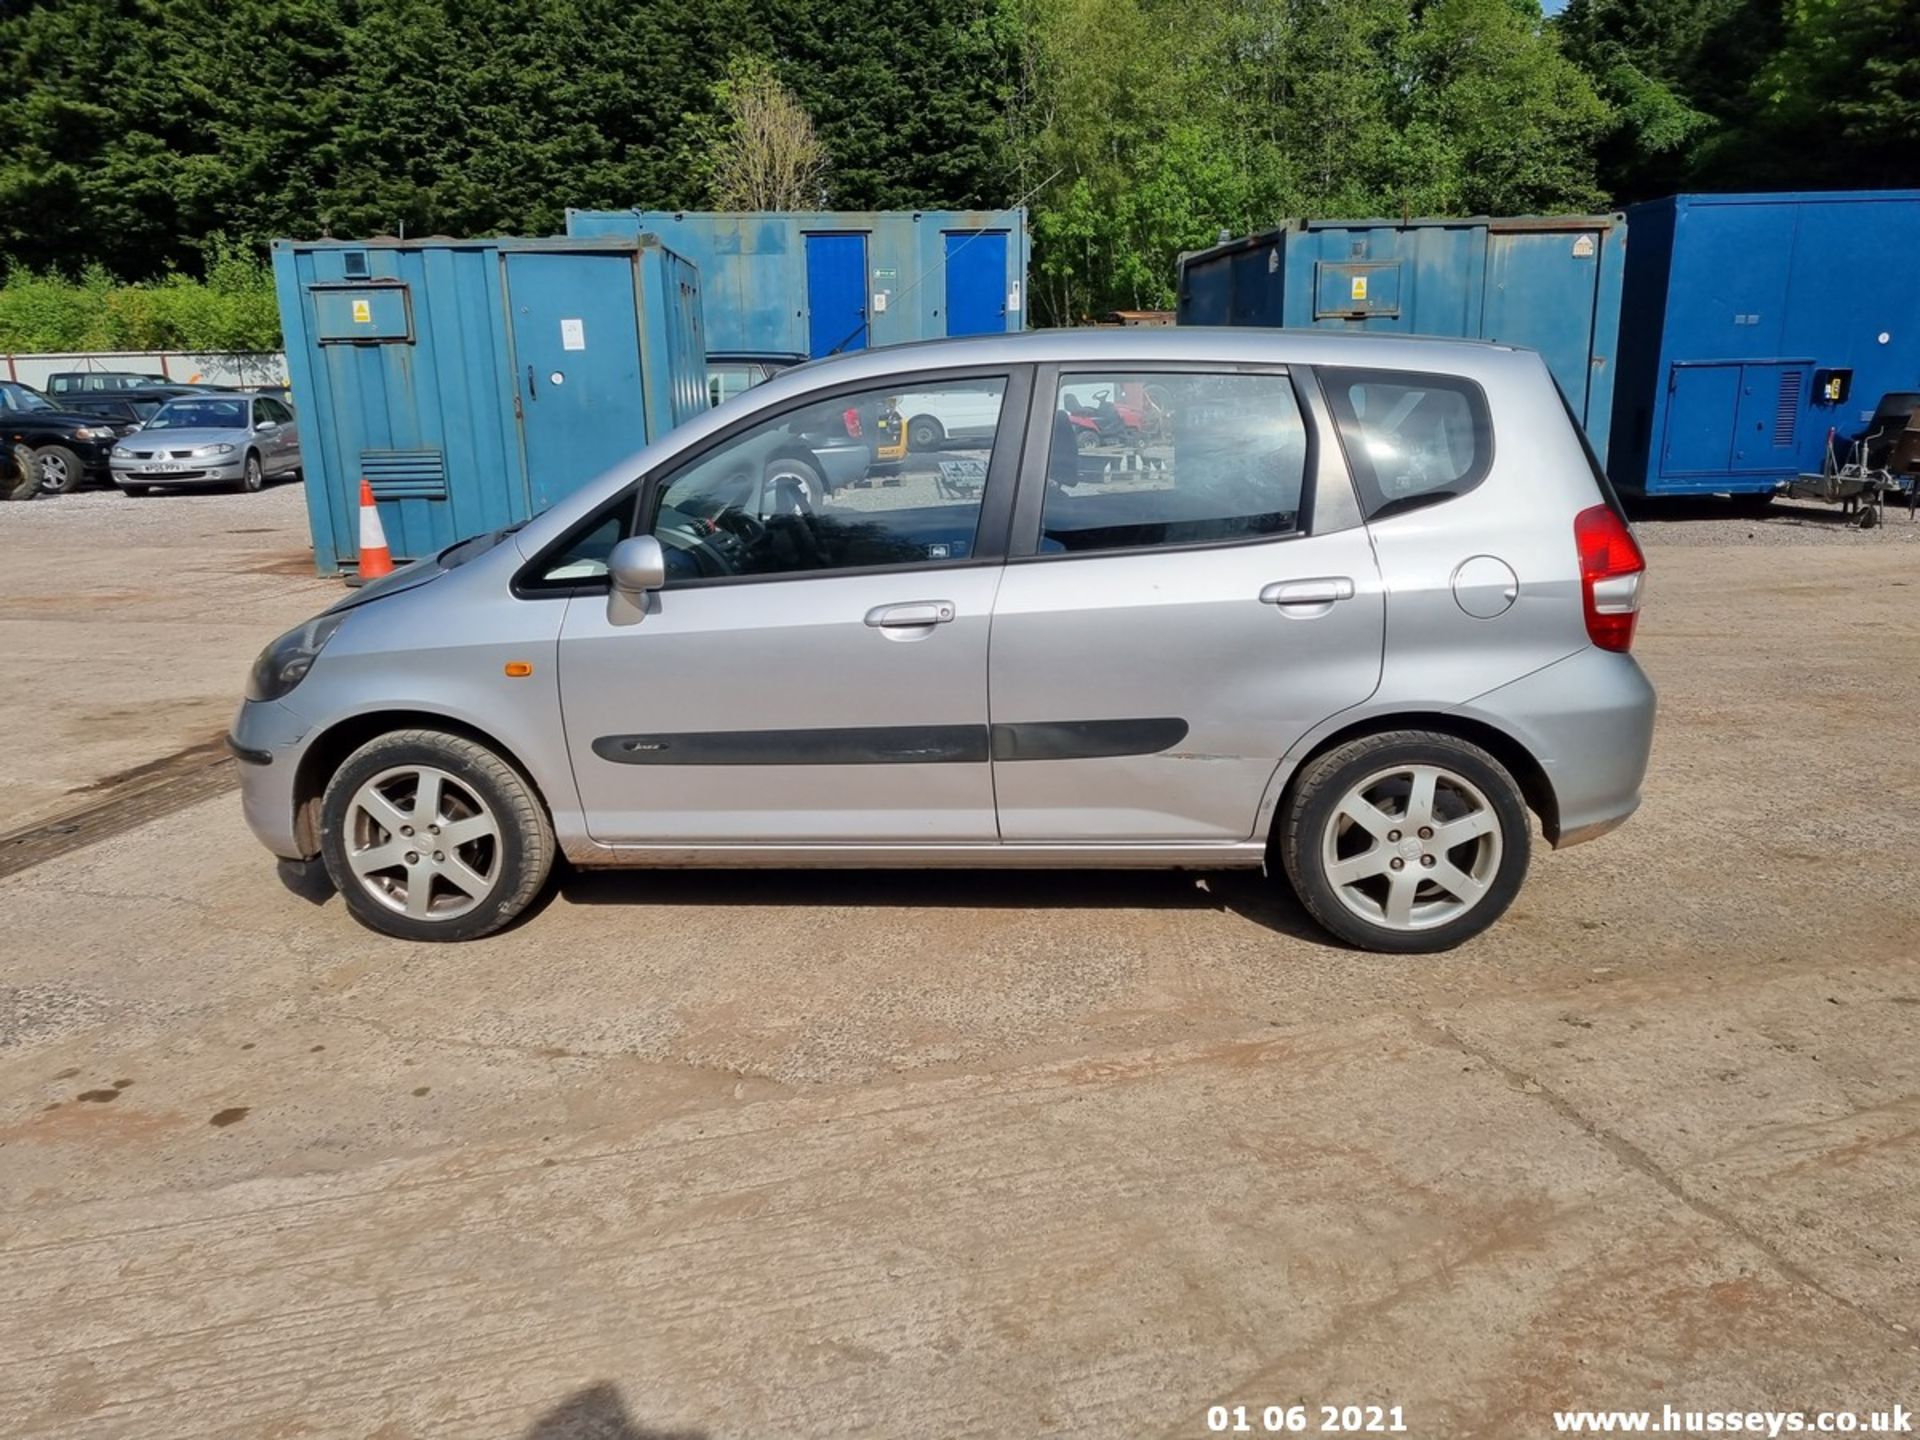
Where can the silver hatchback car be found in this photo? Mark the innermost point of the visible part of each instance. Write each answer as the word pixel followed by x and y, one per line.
pixel 1349 607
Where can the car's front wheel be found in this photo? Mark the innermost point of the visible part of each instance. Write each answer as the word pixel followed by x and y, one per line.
pixel 59 469
pixel 252 477
pixel 1406 842
pixel 432 836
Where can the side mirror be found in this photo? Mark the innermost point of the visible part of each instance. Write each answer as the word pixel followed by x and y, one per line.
pixel 637 567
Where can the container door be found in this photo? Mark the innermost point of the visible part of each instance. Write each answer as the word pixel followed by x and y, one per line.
pixel 576 350
pixel 836 294
pixel 1540 293
pixel 1766 434
pixel 977 283
pixel 1702 402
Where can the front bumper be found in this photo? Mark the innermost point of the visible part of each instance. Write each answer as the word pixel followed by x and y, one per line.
pixel 1588 720
pixel 267 739
pixel 225 470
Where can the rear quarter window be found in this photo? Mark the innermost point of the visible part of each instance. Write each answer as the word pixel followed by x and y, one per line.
pixel 1411 438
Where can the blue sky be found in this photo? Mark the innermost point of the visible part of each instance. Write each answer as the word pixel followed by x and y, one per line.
pixel 1553 7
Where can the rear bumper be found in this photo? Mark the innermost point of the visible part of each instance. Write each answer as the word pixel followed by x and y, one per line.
pixel 1588 720
pixel 267 740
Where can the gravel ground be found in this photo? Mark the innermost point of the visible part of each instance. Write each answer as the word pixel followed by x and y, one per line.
pixel 126 628
pixel 175 514
pixel 1710 522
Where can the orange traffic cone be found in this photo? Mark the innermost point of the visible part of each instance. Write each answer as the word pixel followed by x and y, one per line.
pixel 375 559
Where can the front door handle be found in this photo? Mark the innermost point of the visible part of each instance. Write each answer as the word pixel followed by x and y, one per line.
pixel 1321 591
pixel 911 615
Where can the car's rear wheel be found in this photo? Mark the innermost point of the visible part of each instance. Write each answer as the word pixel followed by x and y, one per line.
pixel 58 468
pixel 431 836
pixel 252 477
pixel 1406 842
pixel 924 432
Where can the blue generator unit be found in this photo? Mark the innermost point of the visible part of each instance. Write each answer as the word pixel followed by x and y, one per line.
pixel 472 383
pixel 1549 283
pixel 813 283
pixel 1753 327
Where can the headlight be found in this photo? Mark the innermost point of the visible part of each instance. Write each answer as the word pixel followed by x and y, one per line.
pixel 121 452
pixel 94 432
pixel 202 452
pixel 284 663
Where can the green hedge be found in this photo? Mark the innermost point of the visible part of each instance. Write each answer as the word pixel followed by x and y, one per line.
pixel 233 309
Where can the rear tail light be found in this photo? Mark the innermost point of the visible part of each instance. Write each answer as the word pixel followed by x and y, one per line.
pixel 1611 571
pixel 852 419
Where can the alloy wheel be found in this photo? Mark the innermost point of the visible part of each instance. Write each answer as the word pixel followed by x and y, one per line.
pixel 56 478
pixel 1412 847
pixel 422 843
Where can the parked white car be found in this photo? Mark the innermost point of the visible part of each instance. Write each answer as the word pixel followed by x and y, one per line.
pixel 935 417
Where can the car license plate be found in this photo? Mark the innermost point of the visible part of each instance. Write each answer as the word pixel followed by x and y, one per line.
pixel 162 469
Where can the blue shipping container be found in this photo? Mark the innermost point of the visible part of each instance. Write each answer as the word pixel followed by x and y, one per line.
pixel 817 282
pixel 1551 284
pixel 475 382
pixel 1755 324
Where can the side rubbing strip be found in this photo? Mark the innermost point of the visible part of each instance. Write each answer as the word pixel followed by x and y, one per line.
pixel 899 744
pixel 1086 739
pixel 855 745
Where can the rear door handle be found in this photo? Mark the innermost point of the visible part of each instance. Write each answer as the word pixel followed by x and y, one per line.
pixel 911 615
pixel 1322 591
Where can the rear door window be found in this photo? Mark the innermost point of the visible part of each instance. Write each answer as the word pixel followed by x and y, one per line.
pixel 1144 459
pixel 1411 439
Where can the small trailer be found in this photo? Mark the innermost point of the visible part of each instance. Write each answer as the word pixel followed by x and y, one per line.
pixel 1859 474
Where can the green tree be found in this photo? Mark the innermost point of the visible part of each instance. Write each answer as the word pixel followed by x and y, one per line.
pixel 1678 75
pixel 767 156
pixel 1153 126
pixel 1485 86
pixel 1839 104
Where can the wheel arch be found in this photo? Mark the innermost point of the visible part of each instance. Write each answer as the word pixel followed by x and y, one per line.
pixel 1535 786
pixel 328 750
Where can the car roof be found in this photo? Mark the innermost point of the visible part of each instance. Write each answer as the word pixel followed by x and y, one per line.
pixel 1099 345
pixel 1139 345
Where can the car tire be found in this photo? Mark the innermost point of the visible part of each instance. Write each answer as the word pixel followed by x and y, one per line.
pixel 1365 851
pixel 59 470
pixel 469 887
pixel 812 481
pixel 252 477
pixel 925 433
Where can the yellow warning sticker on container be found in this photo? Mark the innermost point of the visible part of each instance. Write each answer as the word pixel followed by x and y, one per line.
pixel 1359 287
pixel 363 312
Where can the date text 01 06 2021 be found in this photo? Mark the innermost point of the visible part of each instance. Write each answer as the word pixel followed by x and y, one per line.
pixel 1306 1419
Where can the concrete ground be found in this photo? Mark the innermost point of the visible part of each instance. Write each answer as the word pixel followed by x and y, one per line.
pixel 816 1154
pixel 127 625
